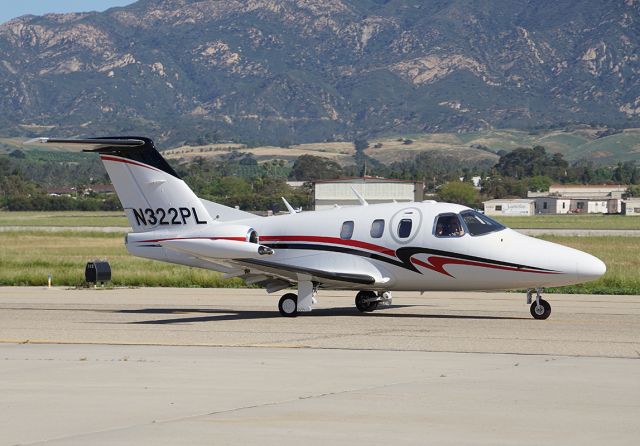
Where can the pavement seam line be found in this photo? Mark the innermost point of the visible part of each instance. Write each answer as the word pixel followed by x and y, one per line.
pixel 302 347
pixel 231 410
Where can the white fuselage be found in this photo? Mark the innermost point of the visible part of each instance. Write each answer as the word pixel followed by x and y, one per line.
pixel 419 261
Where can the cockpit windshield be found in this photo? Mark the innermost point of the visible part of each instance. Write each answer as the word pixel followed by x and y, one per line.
pixel 479 224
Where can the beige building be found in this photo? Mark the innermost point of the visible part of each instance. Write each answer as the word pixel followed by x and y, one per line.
pixel 328 193
pixel 631 206
pixel 552 205
pixel 583 191
pixel 580 199
pixel 510 206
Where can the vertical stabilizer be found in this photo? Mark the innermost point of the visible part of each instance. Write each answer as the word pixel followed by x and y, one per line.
pixel 152 194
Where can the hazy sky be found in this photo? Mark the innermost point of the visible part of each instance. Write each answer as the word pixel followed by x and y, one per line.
pixel 15 8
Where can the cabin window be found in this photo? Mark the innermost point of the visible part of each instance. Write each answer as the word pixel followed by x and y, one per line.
pixel 563 205
pixel 377 228
pixel 479 224
pixel 498 207
pixel 347 230
pixel 580 205
pixel 404 228
pixel 448 225
pixel 544 205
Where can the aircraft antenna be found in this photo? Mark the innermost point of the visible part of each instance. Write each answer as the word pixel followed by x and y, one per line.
pixel 361 199
pixel 289 207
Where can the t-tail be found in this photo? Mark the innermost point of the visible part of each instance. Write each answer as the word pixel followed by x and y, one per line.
pixel 152 194
pixel 170 223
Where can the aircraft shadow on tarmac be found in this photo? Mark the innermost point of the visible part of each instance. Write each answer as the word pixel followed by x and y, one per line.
pixel 230 315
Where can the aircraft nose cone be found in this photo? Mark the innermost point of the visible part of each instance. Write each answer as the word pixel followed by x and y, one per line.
pixel 590 268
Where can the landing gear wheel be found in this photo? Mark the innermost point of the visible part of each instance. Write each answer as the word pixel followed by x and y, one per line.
pixel 362 304
pixel 542 310
pixel 288 305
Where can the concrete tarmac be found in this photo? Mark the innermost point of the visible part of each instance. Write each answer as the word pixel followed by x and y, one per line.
pixel 212 366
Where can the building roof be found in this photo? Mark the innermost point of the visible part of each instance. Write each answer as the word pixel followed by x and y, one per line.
pixel 589 186
pixel 101 188
pixel 509 200
pixel 575 198
pixel 61 190
pixel 365 180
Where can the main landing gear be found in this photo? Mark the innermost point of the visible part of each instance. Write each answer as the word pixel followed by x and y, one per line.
pixel 290 304
pixel 366 301
pixel 540 308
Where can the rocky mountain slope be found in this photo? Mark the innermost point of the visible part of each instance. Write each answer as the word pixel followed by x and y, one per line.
pixel 287 71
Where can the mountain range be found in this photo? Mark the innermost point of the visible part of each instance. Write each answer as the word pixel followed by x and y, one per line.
pixel 292 71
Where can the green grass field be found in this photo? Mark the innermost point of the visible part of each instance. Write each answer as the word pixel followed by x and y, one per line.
pixel 64 218
pixel 620 254
pixel 28 257
pixel 593 221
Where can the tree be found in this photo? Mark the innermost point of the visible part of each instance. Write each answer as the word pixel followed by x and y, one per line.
pixel 625 173
pixel 458 192
pixel 504 187
pixel 309 167
pixel 633 191
pixel 539 183
pixel 522 163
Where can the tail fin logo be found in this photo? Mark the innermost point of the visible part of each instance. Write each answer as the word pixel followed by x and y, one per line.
pixel 167 216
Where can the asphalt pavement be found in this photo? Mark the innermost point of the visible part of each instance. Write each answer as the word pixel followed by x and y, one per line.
pixel 212 366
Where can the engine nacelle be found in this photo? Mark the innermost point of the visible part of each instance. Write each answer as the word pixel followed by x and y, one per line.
pixel 218 242
pixel 218 249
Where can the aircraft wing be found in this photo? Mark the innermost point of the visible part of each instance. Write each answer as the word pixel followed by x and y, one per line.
pixel 290 273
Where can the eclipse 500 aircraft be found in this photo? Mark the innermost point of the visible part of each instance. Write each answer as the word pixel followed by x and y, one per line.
pixel 374 249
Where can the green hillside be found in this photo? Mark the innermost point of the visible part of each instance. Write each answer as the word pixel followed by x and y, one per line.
pixel 575 144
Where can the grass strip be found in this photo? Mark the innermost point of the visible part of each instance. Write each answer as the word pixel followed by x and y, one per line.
pixel 28 257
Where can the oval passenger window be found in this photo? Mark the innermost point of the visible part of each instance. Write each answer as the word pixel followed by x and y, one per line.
pixel 404 228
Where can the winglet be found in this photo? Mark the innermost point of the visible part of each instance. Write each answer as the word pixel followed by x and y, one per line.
pixel 361 199
pixel 289 207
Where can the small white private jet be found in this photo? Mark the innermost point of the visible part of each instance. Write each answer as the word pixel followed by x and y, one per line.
pixel 374 249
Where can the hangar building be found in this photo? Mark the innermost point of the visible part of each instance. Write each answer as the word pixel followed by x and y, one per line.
pixel 328 193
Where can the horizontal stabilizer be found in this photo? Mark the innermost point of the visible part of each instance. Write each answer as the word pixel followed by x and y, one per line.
pixel 134 148
pixel 97 144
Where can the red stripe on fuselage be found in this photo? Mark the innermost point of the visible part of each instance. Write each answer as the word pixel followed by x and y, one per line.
pixel 126 161
pixel 437 264
pixel 332 240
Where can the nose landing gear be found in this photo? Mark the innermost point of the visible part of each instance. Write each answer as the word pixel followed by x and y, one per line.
pixel 540 308
pixel 368 301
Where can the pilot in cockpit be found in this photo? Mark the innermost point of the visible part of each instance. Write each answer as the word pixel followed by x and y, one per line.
pixel 449 226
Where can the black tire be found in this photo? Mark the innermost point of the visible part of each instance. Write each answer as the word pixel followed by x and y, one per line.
pixel 542 311
pixel 285 307
pixel 365 307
